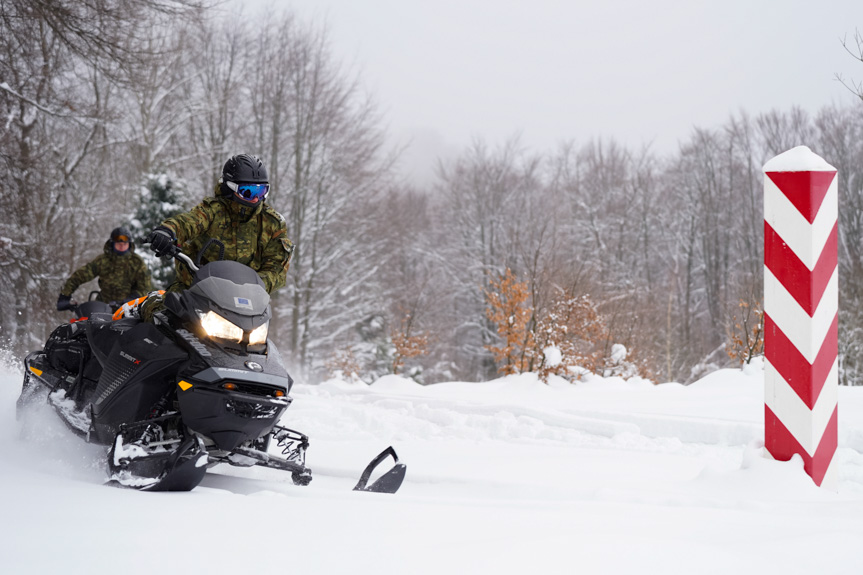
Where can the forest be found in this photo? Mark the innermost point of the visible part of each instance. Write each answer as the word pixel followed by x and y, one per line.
pixel 595 256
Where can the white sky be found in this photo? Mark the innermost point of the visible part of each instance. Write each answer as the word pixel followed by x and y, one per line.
pixel 447 71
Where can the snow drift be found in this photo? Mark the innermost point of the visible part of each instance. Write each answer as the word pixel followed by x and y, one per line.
pixel 506 476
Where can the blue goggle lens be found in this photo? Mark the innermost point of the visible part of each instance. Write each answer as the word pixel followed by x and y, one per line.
pixel 250 192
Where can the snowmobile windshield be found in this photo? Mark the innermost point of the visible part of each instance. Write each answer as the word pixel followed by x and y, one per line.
pixel 232 287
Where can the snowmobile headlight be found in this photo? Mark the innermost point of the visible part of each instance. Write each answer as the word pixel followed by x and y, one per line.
pixel 258 336
pixel 217 326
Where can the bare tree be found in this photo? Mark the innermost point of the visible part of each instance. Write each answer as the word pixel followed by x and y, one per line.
pixel 60 71
pixel 856 52
pixel 840 141
pixel 328 160
pixel 780 131
pixel 52 109
pixel 216 100
pixel 484 193
pixel 106 36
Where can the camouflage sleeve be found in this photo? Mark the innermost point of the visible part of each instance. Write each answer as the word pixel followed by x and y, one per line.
pixel 276 259
pixel 82 275
pixel 191 224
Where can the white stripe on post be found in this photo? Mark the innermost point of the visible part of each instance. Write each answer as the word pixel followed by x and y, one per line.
pixel 801 306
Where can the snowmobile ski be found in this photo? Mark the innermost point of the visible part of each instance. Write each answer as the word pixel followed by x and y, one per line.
pixel 153 456
pixel 390 481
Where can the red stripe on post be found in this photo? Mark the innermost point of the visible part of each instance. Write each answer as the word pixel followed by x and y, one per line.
pixel 806 287
pixel 807 380
pixel 805 190
pixel 782 445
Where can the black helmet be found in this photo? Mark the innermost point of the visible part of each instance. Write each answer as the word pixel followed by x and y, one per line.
pixel 244 179
pixel 120 234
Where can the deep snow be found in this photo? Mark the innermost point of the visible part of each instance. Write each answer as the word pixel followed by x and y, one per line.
pixel 508 476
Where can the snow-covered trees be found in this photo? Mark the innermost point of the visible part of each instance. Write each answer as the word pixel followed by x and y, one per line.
pixel 63 64
pixel 90 116
pixel 661 249
pixel 486 198
pixel 666 248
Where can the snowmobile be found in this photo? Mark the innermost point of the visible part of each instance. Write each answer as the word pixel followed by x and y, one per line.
pixel 199 385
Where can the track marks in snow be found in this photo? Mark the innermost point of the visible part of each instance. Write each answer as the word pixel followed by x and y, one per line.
pixel 430 418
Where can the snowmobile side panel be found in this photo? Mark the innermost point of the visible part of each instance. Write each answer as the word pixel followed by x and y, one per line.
pixel 103 335
pixel 139 371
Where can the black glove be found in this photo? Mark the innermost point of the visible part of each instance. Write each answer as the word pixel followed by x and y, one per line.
pixel 64 302
pixel 162 240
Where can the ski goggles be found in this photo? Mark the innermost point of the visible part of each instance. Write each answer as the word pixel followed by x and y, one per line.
pixel 249 192
pixel 121 238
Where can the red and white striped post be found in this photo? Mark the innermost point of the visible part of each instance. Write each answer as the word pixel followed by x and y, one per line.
pixel 801 311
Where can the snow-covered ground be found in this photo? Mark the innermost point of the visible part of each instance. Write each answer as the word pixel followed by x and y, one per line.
pixel 509 476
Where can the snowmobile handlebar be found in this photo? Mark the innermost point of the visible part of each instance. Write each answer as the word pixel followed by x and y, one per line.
pixel 195 265
pixel 186 260
pixel 175 252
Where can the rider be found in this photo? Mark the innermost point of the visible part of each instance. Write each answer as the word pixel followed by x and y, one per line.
pixel 252 232
pixel 122 273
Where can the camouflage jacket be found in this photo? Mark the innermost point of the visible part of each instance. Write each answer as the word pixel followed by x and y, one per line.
pixel 256 237
pixel 121 277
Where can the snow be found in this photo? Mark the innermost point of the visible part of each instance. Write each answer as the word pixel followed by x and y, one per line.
pixel 799 159
pixel 618 353
pixel 505 476
pixel 552 355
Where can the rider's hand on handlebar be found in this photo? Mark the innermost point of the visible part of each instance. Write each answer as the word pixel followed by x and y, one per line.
pixel 163 241
pixel 64 302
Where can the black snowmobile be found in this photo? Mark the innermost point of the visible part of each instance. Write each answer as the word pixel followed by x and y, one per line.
pixel 199 386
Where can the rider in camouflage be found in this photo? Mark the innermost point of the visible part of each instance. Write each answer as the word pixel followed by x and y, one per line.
pixel 122 273
pixel 252 232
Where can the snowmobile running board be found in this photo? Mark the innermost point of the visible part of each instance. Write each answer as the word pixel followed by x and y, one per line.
pixel 390 481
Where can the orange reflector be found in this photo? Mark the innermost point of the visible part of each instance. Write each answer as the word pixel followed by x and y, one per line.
pixel 231 386
pixel 36 371
pixel 184 385
pixel 279 393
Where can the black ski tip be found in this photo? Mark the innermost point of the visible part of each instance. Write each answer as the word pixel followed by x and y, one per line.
pixel 181 470
pixel 390 481
pixel 184 476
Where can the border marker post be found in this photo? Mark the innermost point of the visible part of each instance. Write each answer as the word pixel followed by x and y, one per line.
pixel 801 305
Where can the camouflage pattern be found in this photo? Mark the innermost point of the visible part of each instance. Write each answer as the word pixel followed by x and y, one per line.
pixel 121 276
pixel 256 237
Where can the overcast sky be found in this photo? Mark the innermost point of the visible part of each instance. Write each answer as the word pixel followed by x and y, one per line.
pixel 445 72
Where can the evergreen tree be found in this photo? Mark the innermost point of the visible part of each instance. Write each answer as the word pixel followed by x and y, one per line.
pixel 159 197
pixel 375 351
